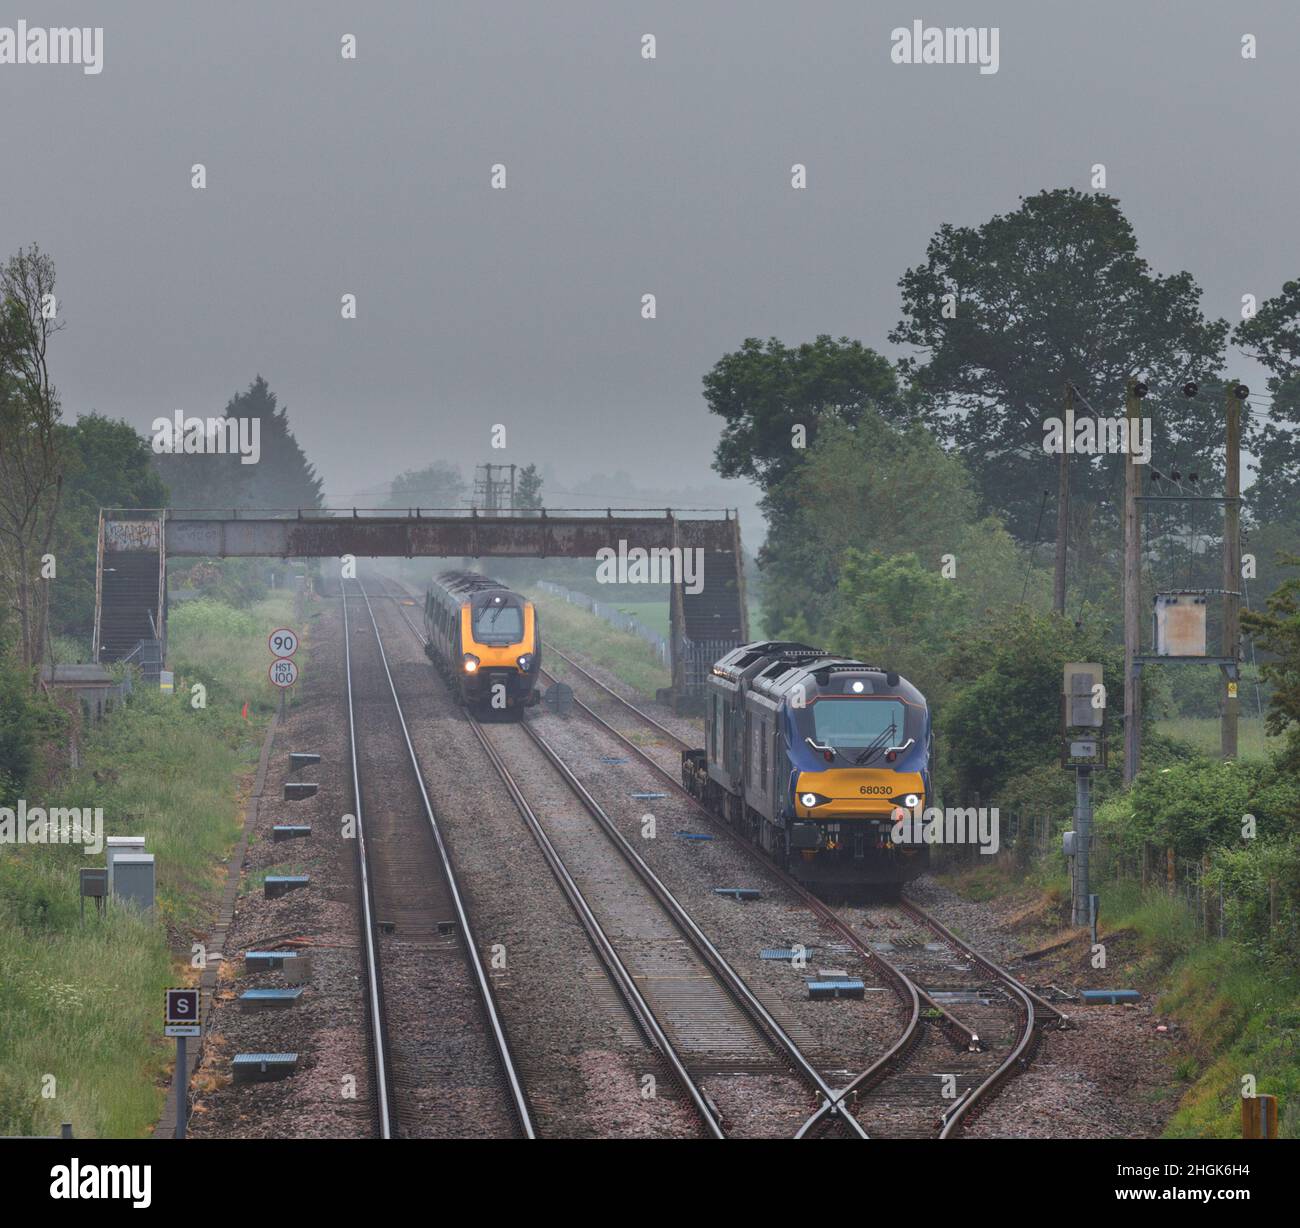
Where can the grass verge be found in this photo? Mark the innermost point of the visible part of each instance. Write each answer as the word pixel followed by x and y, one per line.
pixel 80 1006
pixel 573 630
pixel 1239 1015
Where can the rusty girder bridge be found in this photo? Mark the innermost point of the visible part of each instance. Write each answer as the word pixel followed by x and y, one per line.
pixel 134 545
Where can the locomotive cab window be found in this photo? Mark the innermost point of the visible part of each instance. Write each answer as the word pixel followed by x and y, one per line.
pixel 858 723
pixel 499 624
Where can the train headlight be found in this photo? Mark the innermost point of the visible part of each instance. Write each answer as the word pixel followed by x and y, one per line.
pixel 812 799
pixel 470 663
pixel 525 661
pixel 911 801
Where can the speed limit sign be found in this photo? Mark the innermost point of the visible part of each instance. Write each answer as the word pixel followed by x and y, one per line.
pixel 283 642
pixel 284 673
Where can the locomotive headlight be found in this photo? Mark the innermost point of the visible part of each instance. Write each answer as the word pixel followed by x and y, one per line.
pixel 470 662
pixel 525 661
pixel 911 801
pixel 812 799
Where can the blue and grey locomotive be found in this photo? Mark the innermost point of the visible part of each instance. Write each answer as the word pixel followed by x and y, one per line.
pixel 811 755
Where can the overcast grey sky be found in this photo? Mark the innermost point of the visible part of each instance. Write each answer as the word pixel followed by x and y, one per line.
pixel 625 177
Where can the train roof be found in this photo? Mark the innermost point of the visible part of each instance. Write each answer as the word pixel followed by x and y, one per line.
pixel 775 667
pixel 466 582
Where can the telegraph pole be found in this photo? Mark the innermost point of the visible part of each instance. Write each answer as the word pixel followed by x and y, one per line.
pixel 1236 394
pixel 1063 503
pixel 1134 391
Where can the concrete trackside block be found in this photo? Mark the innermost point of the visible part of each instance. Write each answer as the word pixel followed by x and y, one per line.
pixel 268 999
pixel 1109 997
pixel 836 989
pixel 263 1067
pixel 267 961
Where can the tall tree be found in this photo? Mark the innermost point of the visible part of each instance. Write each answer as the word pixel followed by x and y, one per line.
pixel 775 399
pixel 282 477
pixel 436 485
pixel 1277 631
pixel 528 491
pixel 31 460
pixel 1272 337
pixel 882 488
pixel 1005 313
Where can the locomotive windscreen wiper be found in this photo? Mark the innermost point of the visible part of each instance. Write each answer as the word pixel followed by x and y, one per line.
pixel 876 745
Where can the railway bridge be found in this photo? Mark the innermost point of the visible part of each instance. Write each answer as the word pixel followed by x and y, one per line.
pixel 707 616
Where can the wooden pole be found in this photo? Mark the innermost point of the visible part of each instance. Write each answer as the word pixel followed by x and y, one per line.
pixel 1132 590
pixel 1232 572
pixel 1063 504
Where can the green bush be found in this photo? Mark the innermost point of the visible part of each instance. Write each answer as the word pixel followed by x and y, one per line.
pixel 1005 720
pixel 1196 805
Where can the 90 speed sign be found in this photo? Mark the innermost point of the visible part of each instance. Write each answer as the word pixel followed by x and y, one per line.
pixel 282 642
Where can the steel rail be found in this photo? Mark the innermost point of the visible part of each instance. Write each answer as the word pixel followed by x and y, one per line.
pixel 726 974
pixel 685 923
pixel 640 1009
pixel 1031 1008
pixel 960 1033
pixel 518 1098
pixel 374 996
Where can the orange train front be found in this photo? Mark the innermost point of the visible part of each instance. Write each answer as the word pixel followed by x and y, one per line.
pixel 485 638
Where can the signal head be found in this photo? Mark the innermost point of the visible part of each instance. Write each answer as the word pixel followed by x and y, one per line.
pixel 1190 388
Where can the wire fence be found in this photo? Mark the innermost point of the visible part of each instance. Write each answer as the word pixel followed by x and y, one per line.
pixel 613 616
pixel 1256 906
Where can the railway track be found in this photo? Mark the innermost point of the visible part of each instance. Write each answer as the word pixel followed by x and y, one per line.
pixel 696 1011
pixel 890 1089
pixel 447 1072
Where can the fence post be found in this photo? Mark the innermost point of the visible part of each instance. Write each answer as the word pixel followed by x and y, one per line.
pixel 1206 901
pixel 1171 875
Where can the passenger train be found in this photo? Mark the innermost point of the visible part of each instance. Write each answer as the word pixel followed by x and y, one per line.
pixel 486 640
pixel 811 755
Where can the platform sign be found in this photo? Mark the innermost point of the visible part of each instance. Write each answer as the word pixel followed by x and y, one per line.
pixel 182 1014
pixel 282 642
pixel 283 672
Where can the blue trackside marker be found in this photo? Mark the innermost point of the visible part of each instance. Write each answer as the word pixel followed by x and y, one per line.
pixel 252 999
pixel 739 893
pixel 1109 997
pixel 263 961
pixel 648 797
pixel 838 988
pixel 611 759
pixel 692 835
pixel 785 954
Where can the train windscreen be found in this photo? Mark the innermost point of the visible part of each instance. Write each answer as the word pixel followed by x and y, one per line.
pixel 857 722
pixel 502 624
